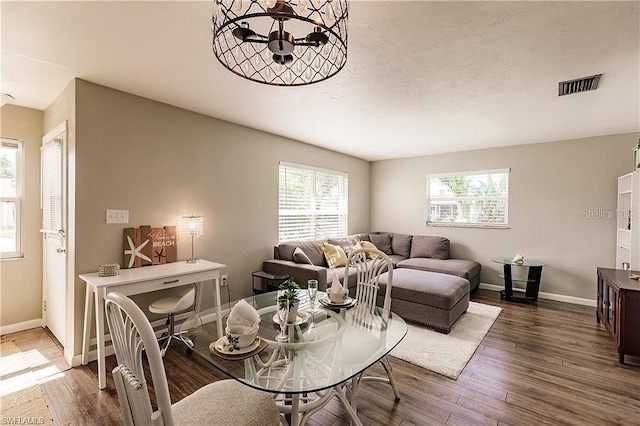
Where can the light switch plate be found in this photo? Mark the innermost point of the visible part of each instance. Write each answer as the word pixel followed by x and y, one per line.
pixel 117 216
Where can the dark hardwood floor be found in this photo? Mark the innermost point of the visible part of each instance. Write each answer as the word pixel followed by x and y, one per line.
pixel 544 364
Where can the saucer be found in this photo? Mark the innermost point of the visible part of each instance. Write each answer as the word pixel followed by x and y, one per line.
pixel 222 346
pixel 302 318
pixel 349 301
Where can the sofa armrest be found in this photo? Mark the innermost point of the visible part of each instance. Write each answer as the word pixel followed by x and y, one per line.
pixel 300 272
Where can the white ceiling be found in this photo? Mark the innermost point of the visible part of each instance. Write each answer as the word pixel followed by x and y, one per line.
pixel 421 78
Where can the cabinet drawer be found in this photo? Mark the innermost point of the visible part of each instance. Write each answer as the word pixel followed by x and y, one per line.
pixel 162 283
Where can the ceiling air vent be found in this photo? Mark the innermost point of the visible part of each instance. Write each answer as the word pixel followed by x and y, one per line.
pixel 578 85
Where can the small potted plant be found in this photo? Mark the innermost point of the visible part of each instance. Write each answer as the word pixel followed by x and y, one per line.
pixel 289 292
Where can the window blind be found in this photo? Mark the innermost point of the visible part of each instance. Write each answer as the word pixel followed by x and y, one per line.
pixel 51 187
pixel 313 203
pixel 479 199
pixel 11 190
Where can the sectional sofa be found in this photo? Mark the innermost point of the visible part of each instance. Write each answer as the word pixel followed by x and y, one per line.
pixel 419 252
pixel 428 286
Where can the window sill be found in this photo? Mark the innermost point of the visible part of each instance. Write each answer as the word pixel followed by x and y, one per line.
pixel 467 225
pixel 12 256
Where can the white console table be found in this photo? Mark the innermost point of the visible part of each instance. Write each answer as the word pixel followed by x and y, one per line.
pixel 137 281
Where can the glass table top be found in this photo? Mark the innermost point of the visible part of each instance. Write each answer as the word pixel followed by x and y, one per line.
pixel 527 262
pixel 325 348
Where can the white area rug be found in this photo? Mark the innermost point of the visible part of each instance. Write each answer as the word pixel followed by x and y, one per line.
pixel 20 395
pixel 448 354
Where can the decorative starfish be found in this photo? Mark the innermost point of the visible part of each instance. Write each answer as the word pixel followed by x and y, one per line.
pixel 160 254
pixel 135 252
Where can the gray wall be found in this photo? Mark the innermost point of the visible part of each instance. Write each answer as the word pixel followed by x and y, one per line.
pixel 550 185
pixel 161 162
pixel 21 279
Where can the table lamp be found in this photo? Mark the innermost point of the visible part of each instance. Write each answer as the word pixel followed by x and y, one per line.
pixel 192 226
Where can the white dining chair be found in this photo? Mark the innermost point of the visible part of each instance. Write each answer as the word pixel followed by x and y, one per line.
pixel 170 306
pixel 370 264
pixel 225 402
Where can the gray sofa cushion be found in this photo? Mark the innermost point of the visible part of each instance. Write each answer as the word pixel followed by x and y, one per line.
pixel 313 250
pixel 426 288
pixel 430 246
pixel 300 272
pixel 299 256
pixel 467 269
pixel 401 244
pixel 395 258
pixel 382 242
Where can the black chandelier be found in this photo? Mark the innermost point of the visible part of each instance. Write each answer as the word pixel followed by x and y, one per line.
pixel 281 42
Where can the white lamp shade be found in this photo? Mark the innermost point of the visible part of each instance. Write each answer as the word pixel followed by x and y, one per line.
pixel 192 226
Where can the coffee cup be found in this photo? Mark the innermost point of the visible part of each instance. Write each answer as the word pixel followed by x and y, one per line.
pixel 241 337
pixel 337 297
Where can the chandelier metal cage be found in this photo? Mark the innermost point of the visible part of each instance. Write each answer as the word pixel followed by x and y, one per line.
pixel 281 42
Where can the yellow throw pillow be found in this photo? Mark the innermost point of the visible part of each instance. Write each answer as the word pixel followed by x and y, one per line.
pixel 335 255
pixel 369 245
pixel 349 249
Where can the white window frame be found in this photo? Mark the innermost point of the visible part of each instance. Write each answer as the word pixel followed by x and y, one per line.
pixel 17 144
pixel 430 199
pixel 343 209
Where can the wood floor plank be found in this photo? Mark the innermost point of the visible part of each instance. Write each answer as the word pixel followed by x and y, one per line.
pixel 549 363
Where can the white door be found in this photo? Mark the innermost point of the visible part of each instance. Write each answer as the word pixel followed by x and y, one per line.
pixel 54 220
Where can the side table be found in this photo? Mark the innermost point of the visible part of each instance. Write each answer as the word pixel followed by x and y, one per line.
pixel 266 282
pixel 532 280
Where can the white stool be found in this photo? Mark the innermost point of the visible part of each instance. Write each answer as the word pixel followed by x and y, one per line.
pixel 171 305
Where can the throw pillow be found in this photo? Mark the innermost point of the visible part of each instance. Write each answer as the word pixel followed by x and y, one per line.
pixel 335 255
pixel 401 244
pixel 349 249
pixel 382 241
pixel 300 257
pixel 430 246
pixel 369 245
pixel 345 242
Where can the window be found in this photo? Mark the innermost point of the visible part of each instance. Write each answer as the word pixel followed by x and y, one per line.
pixel 475 199
pixel 11 178
pixel 313 203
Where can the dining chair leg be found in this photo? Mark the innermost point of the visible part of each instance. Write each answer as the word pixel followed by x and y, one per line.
pixel 347 406
pixel 353 397
pixel 388 369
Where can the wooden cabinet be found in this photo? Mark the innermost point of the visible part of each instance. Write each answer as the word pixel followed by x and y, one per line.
pixel 628 221
pixel 618 308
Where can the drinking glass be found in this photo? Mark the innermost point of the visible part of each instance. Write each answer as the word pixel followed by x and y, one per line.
pixel 283 314
pixel 312 288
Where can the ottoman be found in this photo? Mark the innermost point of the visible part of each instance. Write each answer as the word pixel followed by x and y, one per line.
pixel 428 298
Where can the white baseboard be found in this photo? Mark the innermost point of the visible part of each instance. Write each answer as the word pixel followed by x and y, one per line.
pixel 548 296
pixel 21 326
pixel 70 358
pixel 76 360
pixel 93 355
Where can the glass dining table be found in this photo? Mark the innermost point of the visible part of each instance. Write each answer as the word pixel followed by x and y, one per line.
pixel 329 347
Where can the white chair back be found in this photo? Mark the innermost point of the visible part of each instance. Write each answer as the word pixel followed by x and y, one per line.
pixel 131 332
pixel 370 264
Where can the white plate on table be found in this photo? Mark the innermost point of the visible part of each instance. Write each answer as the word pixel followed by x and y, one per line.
pixel 302 318
pixel 349 301
pixel 222 345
